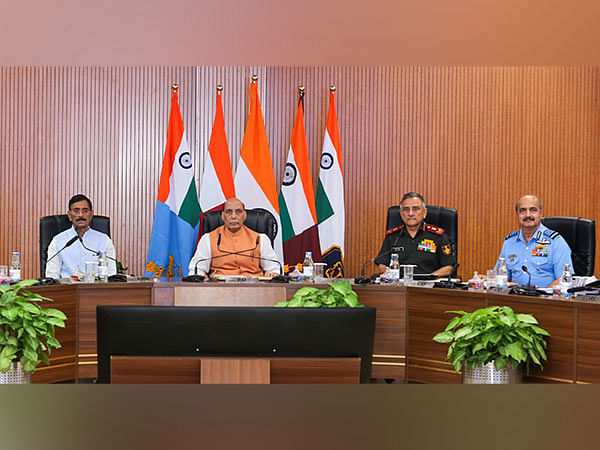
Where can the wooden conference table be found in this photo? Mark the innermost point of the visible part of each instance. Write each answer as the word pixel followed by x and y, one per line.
pixel 406 321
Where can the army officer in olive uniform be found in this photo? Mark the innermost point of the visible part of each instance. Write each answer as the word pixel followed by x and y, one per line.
pixel 416 242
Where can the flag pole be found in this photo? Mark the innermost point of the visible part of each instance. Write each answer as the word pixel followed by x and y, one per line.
pixel 219 88
pixel 332 88
pixel 175 86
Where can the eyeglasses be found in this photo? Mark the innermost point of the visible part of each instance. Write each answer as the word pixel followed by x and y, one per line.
pixel 407 209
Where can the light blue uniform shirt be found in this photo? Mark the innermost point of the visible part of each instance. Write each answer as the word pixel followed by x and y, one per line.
pixel 544 255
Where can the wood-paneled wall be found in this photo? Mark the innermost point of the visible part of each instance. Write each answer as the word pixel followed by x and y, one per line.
pixel 474 138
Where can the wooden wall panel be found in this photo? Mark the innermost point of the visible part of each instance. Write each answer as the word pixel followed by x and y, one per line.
pixel 474 138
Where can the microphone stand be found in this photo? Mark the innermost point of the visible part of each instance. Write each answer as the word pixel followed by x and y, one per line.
pixel 96 252
pixel 195 278
pixel 281 278
pixel 116 277
pixel 364 280
pixel 449 284
pixel 44 281
pixel 528 290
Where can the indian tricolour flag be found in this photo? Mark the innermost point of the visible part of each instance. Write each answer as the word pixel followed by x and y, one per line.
pixel 217 180
pixel 330 196
pixel 177 215
pixel 297 199
pixel 254 178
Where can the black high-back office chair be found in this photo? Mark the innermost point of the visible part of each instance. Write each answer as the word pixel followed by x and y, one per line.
pixel 258 220
pixel 440 216
pixel 50 226
pixel 580 234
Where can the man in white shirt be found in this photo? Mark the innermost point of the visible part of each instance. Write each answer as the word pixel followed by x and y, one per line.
pixel 65 259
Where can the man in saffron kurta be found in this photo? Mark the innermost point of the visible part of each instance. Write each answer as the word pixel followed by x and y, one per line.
pixel 252 250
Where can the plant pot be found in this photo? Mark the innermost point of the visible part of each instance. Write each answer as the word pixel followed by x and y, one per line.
pixel 16 375
pixel 487 374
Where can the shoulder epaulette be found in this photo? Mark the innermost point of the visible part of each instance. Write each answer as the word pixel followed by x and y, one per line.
pixel 394 230
pixel 514 233
pixel 551 233
pixel 434 229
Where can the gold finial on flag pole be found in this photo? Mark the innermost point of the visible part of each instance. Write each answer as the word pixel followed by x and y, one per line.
pixel 301 91
pixel 254 77
pixel 332 88
pixel 174 86
pixel 219 87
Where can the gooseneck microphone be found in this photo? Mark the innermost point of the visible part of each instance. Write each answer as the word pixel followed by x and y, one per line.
pixel 196 277
pixel 225 253
pixel 96 252
pixel 365 280
pixel 524 269
pixel 68 244
pixel 242 253
pixel 526 290
pixel 449 284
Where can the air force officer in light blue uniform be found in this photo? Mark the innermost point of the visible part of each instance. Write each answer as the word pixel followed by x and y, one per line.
pixel 75 255
pixel 543 251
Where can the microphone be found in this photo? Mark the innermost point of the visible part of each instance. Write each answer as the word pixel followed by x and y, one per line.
pixel 116 277
pixel 526 290
pixel 364 280
pixel 96 252
pixel 524 269
pixel 593 285
pixel 241 253
pixel 449 284
pixel 68 244
pixel 197 278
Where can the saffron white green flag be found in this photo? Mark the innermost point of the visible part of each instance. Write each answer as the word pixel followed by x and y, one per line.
pixel 330 196
pixel 254 178
pixel 217 180
pixel 296 199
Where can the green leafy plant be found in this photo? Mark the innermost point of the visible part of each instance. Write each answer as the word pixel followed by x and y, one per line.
pixel 337 295
pixel 26 329
pixel 494 334
pixel 121 268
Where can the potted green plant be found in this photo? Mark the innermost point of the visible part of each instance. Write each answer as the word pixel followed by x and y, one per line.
pixel 492 344
pixel 26 331
pixel 337 295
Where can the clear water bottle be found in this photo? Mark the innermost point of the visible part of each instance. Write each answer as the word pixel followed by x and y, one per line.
pixel 476 283
pixel 308 267
pixel 502 274
pixel 102 268
pixel 394 268
pixel 566 279
pixel 15 267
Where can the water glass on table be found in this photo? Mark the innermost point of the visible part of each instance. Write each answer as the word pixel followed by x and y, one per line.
pixel 319 270
pixel 91 269
pixel 3 274
pixel 408 274
pixel 491 279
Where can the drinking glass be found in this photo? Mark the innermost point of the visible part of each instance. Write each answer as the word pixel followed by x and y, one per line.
pixel 408 274
pixel 91 269
pixel 319 268
pixel 491 279
pixel 3 274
